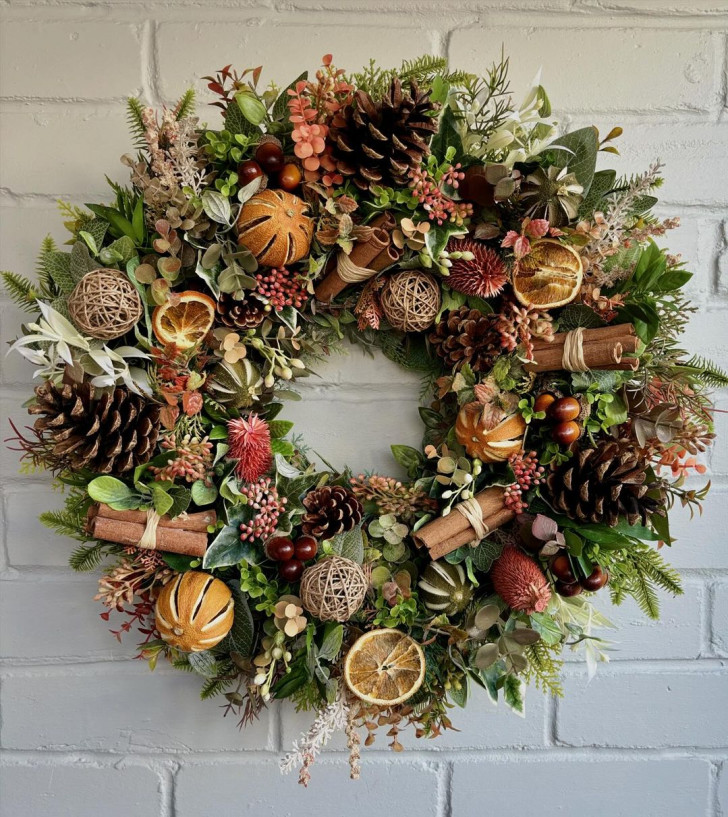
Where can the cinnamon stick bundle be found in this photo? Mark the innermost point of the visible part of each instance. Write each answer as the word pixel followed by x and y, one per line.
pixel 601 348
pixel 447 533
pixel 372 255
pixel 185 534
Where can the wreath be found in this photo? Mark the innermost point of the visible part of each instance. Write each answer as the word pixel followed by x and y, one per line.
pixel 419 213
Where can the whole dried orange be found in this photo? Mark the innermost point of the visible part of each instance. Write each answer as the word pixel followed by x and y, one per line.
pixel 184 320
pixel 549 276
pixel 384 667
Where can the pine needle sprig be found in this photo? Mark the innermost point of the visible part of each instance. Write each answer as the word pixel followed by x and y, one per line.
pixel 544 668
pixel 704 370
pixel 185 105
pixel 21 290
pixel 135 122
pixel 88 557
pixel 422 70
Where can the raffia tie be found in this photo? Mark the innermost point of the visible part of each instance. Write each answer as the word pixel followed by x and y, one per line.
pixel 572 358
pixel 149 537
pixel 471 510
pixel 349 272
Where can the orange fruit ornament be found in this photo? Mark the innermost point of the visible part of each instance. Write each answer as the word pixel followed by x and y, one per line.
pixel 275 226
pixel 194 611
pixel 384 667
pixel 549 276
pixel 184 319
pixel 489 444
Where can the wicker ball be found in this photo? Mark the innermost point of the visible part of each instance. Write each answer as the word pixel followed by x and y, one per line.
pixel 411 300
pixel 105 304
pixel 333 589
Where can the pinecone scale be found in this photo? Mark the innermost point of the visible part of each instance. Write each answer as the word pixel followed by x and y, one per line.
pixel 245 314
pixel 603 484
pixel 330 509
pixel 465 335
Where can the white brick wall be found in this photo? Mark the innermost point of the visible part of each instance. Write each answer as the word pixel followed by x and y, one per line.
pixel 85 730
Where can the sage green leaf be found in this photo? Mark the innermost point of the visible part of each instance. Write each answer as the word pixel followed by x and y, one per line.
pixel 252 108
pixel 580 155
pixel 110 491
pixel 546 627
pixel 486 656
pixel 216 206
pixel 227 549
pixel 350 545
pixel 161 499
pixel 331 645
pixel 203 663
pixel 203 494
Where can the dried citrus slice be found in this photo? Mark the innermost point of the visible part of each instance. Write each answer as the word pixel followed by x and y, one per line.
pixel 384 667
pixel 184 320
pixel 549 276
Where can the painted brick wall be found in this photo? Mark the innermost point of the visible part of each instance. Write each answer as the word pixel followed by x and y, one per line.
pixel 87 731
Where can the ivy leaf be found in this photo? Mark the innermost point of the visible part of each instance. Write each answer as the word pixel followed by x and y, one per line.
pixel 226 548
pixel 575 316
pixel 350 545
pixel 484 554
pixel 513 694
pixel 447 136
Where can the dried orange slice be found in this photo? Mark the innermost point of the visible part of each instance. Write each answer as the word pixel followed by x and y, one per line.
pixel 549 276
pixel 384 667
pixel 184 320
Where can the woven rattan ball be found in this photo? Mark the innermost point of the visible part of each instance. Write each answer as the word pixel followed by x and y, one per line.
pixel 411 300
pixel 333 589
pixel 105 304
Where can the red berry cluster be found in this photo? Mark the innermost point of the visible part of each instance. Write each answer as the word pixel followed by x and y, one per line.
pixel 269 160
pixel 562 412
pixel 291 555
pixel 528 474
pixel 569 584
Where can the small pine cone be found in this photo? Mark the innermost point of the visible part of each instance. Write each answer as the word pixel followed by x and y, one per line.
pixel 467 336
pixel 108 435
pixel 603 483
pixel 245 314
pixel 382 142
pixel 330 510
pixel 518 580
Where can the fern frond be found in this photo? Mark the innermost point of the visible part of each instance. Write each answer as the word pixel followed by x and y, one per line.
pixel 21 290
pixel 213 687
pixel 651 564
pixel 707 372
pixel 544 668
pixel 642 591
pixel 89 557
pixel 422 70
pixel 183 664
pixel 134 110
pixel 185 104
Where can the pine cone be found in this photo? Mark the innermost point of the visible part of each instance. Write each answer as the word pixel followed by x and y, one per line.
pixel 467 336
pixel 603 483
pixel 380 142
pixel 330 510
pixel 245 314
pixel 108 435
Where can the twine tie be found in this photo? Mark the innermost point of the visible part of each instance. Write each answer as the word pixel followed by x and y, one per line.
pixel 349 272
pixel 149 537
pixel 471 510
pixel 572 358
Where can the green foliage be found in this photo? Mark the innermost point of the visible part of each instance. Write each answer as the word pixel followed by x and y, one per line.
pixel 638 572
pixel 185 104
pixel 544 667
pixel 88 557
pixel 705 371
pixel 485 99
pixel 212 687
pixel 134 109
pixel 422 70
pixel 21 290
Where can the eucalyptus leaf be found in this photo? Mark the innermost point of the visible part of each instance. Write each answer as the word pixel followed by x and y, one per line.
pixel 216 206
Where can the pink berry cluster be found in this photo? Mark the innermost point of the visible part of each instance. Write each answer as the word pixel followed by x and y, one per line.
pixel 528 474
pixel 427 189
pixel 281 289
pixel 268 506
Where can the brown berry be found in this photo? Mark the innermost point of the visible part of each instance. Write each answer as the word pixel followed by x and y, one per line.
pixel 279 548
pixel 566 433
pixel 595 580
pixel 291 570
pixel 561 568
pixel 306 548
pixel 269 156
pixel 290 177
pixel 248 171
pixel 564 409
pixel 543 401
pixel 569 590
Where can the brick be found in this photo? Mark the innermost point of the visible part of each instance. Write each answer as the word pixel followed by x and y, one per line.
pixel 719 624
pixel 719 452
pixel 81 790
pixel 619 788
pixel 296 46
pixel 14 368
pixel 121 708
pixel 28 541
pixel 675 635
pixel 250 789
pixel 701 540
pixel 723 789
pixel 30 609
pixel 11 407
pixel 684 79
pixel 649 709
pixel 68 63
pixel 723 260
pixel 482 725
pixel 21 231
pixel 63 150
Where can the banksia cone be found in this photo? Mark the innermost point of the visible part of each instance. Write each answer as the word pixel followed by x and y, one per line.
pixel 483 275
pixel 467 336
pixel 518 580
pixel 330 510
pixel 109 435
pixel 249 442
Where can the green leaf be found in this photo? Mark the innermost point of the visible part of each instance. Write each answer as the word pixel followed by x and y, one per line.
pixel 203 494
pixel 546 627
pixel 226 548
pixel 178 562
pixel 429 417
pixel 252 108
pixel 408 457
pixel 583 145
pixel 279 428
pixel 331 645
pixel 484 554
pixel 161 499
pixel 602 183
pixel 81 261
pixel 294 679
pixel 58 267
pixel 447 136
pixel 137 222
pixel 112 492
pixel 644 317
pixel 123 248
pixel 216 206
pixel 241 638
pixel 203 663
pixel 280 107
pixel 574 316
pixel 236 123
pixel 350 545
pixel 282 447
pixel 459 696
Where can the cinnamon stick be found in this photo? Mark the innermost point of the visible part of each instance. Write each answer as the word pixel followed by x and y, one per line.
pixel 600 354
pixel 185 521
pixel 388 256
pixel 614 332
pixel 447 533
pixel 627 364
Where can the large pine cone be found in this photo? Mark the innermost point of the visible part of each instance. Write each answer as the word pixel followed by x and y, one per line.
pixel 465 335
pixel 330 510
pixel 604 483
pixel 108 435
pixel 380 142
pixel 245 314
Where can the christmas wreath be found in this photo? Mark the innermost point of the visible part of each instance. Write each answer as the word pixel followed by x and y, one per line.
pixel 420 213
